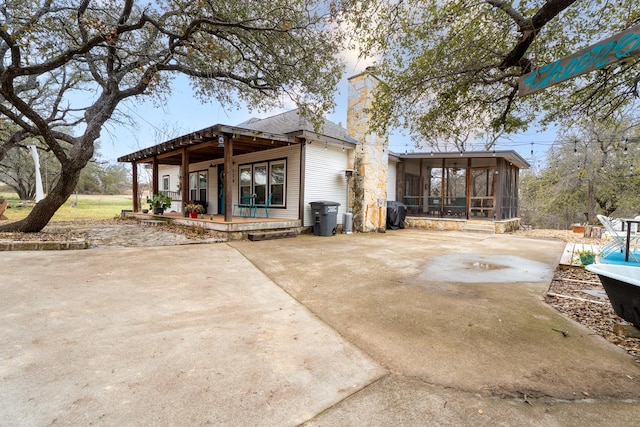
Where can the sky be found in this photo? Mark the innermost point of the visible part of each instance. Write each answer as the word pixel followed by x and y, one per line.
pixel 184 113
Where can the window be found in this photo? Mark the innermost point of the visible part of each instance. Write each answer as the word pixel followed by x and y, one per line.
pixel 264 179
pixel 198 186
pixel 277 182
pixel 245 182
pixel 165 182
pixel 202 185
pixel 260 183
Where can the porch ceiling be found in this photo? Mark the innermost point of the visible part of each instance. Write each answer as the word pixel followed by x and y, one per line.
pixel 203 145
pixel 435 158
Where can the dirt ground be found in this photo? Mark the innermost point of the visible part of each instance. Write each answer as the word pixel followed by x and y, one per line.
pixel 585 305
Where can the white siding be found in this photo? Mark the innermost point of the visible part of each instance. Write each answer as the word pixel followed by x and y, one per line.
pixel 392 174
pixel 292 155
pixel 212 184
pixel 324 174
pixel 174 183
pixel 325 178
pixel 173 172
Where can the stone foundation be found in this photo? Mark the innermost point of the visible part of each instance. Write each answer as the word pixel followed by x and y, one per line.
pixel 454 224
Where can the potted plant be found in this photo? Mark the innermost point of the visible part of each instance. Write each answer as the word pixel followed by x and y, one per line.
pixel 159 202
pixel 587 256
pixel 194 209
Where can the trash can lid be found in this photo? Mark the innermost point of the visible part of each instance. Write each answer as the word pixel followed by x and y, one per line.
pixel 325 203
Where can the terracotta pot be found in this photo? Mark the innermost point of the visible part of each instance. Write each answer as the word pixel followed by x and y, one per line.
pixel 194 214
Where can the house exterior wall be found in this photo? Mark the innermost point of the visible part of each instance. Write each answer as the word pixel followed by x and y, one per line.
pixel 174 184
pixel 392 177
pixel 325 179
pixel 292 156
pixel 173 172
pixel 212 189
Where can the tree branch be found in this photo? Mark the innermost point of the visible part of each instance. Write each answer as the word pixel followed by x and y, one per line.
pixel 528 29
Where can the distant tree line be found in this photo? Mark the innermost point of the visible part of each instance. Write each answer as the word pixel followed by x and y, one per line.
pixel 17 171
pixel 596 170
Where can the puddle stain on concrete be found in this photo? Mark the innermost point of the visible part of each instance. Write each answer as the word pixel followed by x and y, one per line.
pixel 486 266
pixel 476 268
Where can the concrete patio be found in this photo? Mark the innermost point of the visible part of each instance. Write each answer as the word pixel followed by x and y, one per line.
pixel 410 327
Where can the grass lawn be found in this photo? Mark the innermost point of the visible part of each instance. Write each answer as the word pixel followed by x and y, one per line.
pixel 88 207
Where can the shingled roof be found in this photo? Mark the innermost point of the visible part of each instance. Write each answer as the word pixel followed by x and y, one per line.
pixel 293 122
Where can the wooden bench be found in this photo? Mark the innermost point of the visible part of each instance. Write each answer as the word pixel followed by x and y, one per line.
pixel 412 204
pixel 3 207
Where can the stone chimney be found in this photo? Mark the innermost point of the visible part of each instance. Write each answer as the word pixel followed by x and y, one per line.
pixel 371 157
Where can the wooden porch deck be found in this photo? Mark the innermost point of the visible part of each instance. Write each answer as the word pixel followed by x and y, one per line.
pixel 570 257
pixel 238 228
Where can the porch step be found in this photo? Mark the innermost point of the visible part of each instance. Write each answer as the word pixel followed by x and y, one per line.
pixel 270 235
pixel 153 222
pixel 480 227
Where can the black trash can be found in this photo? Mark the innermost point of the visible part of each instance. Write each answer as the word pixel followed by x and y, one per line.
pixel 396 213
pixel 325 217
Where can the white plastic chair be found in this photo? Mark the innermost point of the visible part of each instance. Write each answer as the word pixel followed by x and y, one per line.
pixel 618 240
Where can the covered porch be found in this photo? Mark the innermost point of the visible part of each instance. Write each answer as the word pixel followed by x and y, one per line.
pixel 205 163
pixel 469 186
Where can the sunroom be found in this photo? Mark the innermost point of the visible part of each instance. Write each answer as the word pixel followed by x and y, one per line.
pixel 480 185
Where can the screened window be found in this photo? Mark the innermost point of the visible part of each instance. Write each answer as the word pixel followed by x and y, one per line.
pixel 455 200
pixel 482 192
pixel 165 182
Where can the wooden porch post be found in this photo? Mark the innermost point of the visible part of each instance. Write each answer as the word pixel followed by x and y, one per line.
pixel 403 183
pixel 421 190
pixel 468 188
pixel 134 178
pixel 154 178
pixel 445 180
pixel 515 191
pixel 228 179
pixel 301 201
pixel 500 187
pixel 184 179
